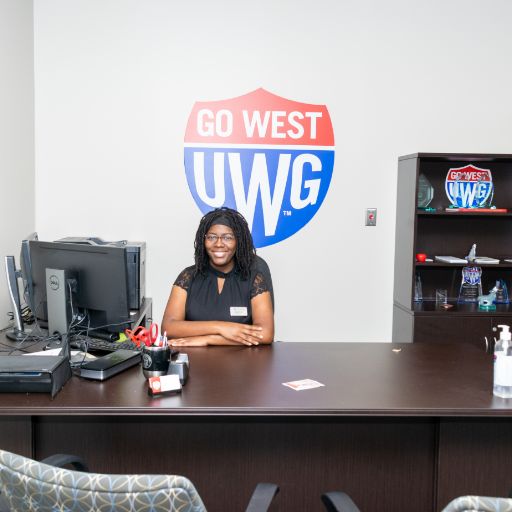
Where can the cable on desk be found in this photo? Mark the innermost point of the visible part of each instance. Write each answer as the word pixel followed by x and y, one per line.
pixel 79 329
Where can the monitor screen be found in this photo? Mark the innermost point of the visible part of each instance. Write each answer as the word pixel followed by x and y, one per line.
pixel 100 275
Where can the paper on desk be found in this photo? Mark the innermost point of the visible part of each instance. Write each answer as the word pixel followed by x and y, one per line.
pixel 76 355
pixel 49 352
pixel 300 385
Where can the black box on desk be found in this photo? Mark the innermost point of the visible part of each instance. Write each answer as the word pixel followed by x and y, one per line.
pixel 33 374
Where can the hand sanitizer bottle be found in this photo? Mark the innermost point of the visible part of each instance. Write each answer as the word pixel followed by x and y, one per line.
pixel 503 364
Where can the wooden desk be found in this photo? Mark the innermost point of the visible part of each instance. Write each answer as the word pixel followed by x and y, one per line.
pixel 399 427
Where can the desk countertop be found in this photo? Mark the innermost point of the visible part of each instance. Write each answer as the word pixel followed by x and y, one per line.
pixel 361 379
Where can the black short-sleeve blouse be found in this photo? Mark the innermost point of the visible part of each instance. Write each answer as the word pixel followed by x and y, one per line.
pixel 233 304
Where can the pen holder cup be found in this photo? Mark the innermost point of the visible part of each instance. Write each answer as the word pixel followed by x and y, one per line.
pixel 155 361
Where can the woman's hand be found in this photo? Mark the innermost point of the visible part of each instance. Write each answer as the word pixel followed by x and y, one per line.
pixel 241 333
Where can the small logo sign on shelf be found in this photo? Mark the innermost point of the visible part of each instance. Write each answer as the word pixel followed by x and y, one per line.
pixel 469 187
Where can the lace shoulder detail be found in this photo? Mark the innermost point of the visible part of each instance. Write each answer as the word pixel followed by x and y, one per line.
pixel 259 285
pixel 185 278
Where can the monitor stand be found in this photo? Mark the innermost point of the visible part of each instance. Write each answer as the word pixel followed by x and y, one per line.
pixel 19 333
pixel 59 296
pixel 18 336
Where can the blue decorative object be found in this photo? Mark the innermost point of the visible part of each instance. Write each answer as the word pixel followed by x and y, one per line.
pixel 501 292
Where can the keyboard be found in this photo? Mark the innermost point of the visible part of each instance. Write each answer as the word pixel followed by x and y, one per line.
pixel 95 345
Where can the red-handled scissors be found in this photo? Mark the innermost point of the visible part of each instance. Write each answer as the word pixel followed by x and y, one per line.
pixel 141 335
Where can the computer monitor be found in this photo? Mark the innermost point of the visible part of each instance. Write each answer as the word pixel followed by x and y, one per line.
pixel 96 283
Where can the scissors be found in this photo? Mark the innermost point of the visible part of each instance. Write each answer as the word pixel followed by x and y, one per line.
pixel 141 335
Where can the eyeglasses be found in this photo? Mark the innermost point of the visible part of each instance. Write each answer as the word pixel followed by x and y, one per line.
pixel 212 239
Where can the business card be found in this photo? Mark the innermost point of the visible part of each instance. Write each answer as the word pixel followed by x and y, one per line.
pixel 301 385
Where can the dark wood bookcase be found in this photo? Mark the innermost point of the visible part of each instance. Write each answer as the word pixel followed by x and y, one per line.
pixel 441 232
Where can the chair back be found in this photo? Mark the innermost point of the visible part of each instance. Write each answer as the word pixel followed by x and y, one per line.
pixel 478 503
pixel 29 486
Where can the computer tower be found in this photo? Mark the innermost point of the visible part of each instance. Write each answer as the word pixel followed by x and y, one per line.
pixel 136 258
pixel 135 253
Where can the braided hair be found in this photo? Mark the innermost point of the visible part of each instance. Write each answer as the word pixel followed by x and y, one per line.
pixel 245 251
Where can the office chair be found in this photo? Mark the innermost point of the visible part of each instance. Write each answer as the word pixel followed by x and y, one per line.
pixel 338 502
pixel 29 486
pixel 341 502
pixel 480 503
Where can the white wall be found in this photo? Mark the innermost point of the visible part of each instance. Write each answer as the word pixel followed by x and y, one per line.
pixel 16 134
pixel 117 79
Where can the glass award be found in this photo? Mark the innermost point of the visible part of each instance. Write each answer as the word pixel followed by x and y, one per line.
pixel 471 285
pixel 425 191
pixel 501 292
pixel 487 302
pixel 418 293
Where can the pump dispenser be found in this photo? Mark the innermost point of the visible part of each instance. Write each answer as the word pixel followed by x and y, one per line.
pixel 503 363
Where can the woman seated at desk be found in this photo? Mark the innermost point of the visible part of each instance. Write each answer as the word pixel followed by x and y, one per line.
pixel 225 298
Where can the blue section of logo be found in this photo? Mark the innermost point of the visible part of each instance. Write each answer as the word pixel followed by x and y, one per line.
pixel 469 194
pixel 277 190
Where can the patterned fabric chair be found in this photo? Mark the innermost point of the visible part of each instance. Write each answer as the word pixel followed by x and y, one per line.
pixel 479 504
pixel 30 486
pixel 341 502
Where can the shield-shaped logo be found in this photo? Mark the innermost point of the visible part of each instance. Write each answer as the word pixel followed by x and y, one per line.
pixel 268 157
pixel 469 187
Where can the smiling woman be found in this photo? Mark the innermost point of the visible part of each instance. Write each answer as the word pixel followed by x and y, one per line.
pixel 225 298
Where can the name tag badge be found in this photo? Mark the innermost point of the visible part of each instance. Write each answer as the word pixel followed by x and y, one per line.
pixel 238 311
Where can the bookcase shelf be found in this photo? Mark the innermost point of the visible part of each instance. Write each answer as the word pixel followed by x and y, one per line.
pixel 441 232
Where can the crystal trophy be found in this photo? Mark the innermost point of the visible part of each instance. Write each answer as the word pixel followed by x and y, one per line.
pixel 487 302
pixel 472 254
pixel 471 285
pixel 425 191
pixel 418 293
pixel 501 292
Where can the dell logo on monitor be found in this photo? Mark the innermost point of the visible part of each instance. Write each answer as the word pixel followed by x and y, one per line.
pixel 54 282
pixel 268 157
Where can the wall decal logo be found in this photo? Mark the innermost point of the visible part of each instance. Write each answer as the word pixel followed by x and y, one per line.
pixel 268 157
pixel 469 186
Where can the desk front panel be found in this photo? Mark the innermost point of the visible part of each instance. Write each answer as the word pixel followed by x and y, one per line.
pixel 393 425
pixel 226 457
